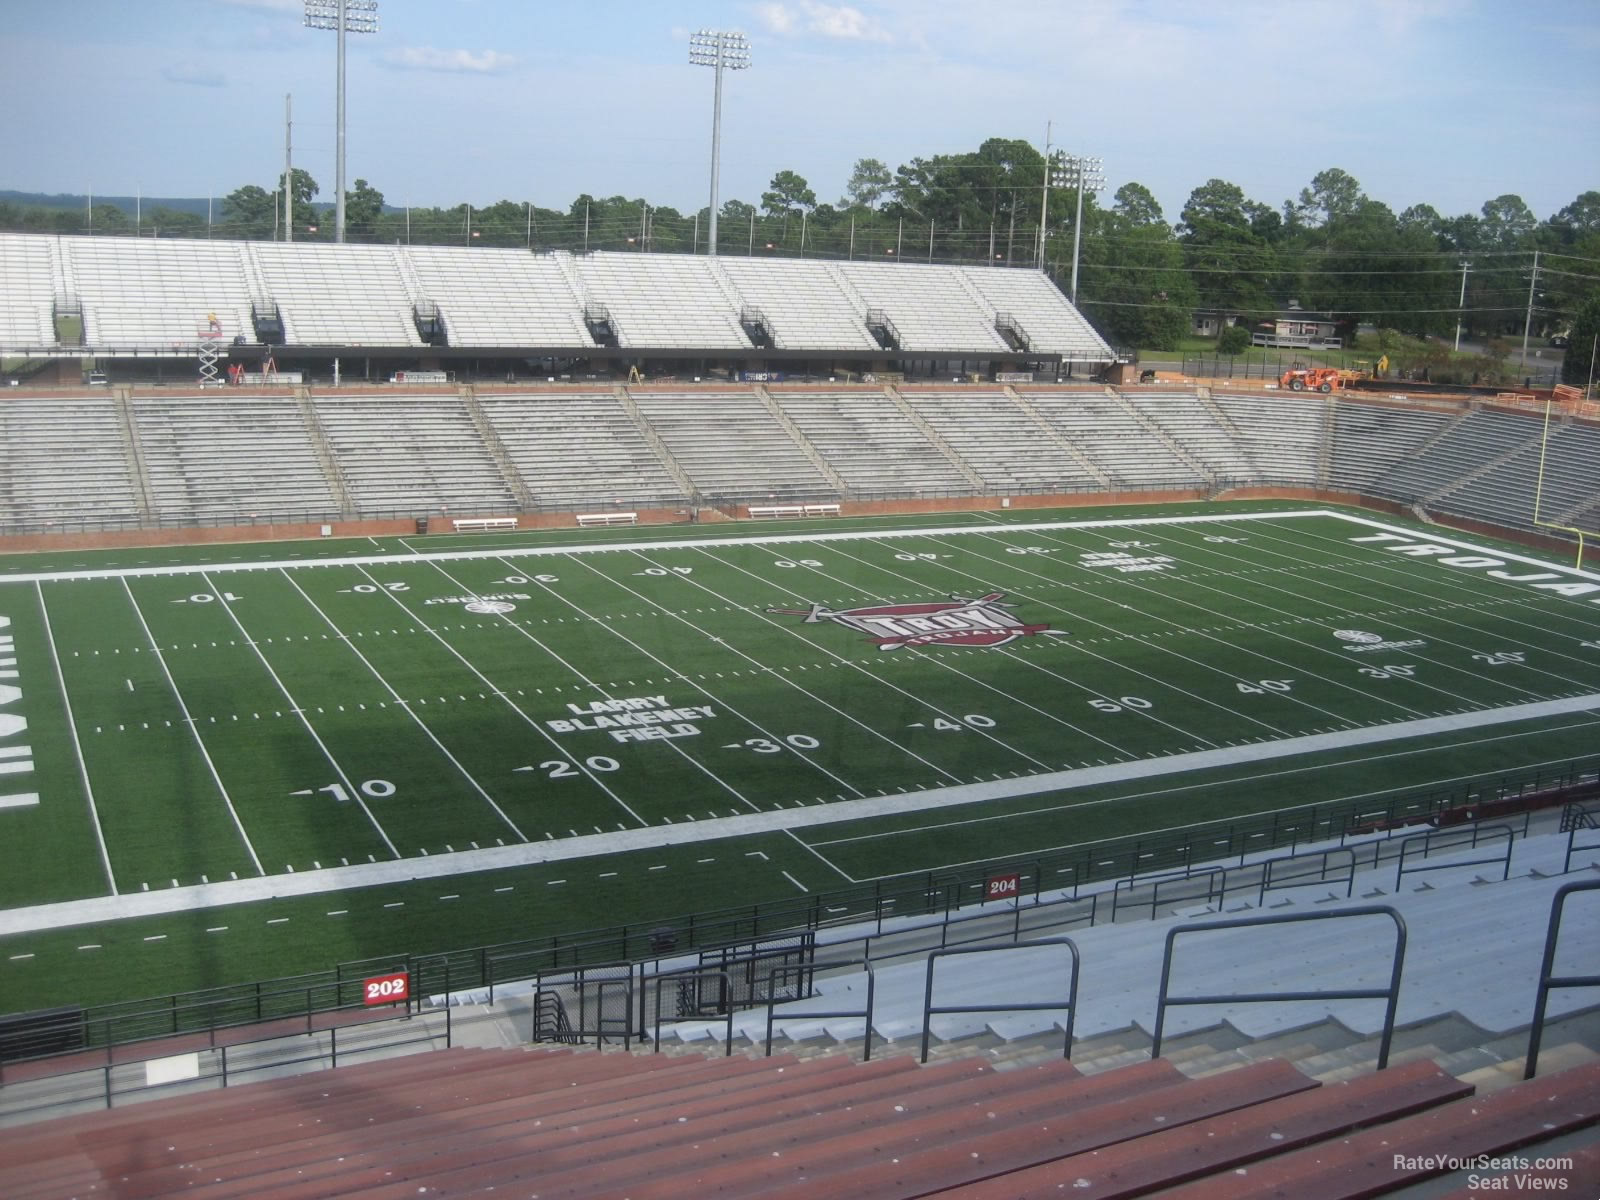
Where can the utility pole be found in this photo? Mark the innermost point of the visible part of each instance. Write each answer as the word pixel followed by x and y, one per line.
pixel 1527 321
pixel 288 169
pixel 1461 304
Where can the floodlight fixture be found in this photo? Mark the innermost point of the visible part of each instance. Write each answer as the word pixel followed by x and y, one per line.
pixel 342 16
pixel 1083 172
pixel 722 52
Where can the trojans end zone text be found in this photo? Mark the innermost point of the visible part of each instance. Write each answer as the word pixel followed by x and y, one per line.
pixel 14 759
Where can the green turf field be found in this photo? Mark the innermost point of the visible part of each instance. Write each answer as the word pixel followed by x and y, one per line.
pixel 236 762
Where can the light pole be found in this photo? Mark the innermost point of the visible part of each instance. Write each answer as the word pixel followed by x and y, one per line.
pixel 723 52
pixel 342 16
pixel 1084 173
pixel 1055 175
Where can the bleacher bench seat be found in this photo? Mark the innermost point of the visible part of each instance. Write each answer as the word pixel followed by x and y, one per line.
pixel 483 524
pixel 614 518
pixel 763 511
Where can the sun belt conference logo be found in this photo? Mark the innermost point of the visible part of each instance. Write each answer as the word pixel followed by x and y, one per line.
pixel 491 607
pixel 959 621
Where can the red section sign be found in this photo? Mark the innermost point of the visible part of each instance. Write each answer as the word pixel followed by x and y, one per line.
pixel 1002 887
pixel 386 989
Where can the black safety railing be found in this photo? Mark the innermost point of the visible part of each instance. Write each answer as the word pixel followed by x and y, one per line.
pixel 1390 994
pixel 1576 818
pixel 939 897
pixel 1210 887
pixel 1548 980
pixel 1070 1002
pixel 812 1014
pixel 1307 870
pixel 1447 841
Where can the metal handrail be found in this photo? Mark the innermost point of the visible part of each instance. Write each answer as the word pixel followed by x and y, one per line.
pixel 1426 838
pixel 929 1011
pixel 1390 993
pixel 1548 981
pixel 809 1014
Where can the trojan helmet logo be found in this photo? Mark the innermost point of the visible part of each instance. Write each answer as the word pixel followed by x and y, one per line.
pixel 959 621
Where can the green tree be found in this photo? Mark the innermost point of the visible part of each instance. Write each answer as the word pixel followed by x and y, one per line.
pixel 249 212
pixel 869 183
pixel 363 205
pixel 1234 339
pixel 1133 284
pixel 302 192
pixel 1232 264
pixel 1579 365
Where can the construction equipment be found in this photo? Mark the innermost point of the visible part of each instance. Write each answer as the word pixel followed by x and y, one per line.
pixel 1301 378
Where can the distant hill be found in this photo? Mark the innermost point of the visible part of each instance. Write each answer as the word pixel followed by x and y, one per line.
pixel 126 203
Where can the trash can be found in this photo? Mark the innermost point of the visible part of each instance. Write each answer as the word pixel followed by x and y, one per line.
pixel 422 524
pixel 663 939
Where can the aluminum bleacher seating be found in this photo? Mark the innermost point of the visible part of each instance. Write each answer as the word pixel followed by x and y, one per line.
pixel 1000 442
pixel 337 295
pixel 38 438
pixel 730 446
pixel 1282 433
pixel 871 444
pixel 559 1123
pixel 1052 325
pixel 1370 439
pixel 145 292
pixel 1187 420
pixel 802 303
pixel 579 451
pixel 228 456
pixel 1110 437
pixel 662 300
pixel 495 297
pixel 928 304
pixel 27 266
pixel 403 454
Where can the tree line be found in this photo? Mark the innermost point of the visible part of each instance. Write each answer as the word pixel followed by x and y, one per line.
pixel 1331 249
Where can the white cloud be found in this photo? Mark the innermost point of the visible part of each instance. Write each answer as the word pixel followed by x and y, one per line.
pixel 430 58
pixel 193 75
pixel 839 21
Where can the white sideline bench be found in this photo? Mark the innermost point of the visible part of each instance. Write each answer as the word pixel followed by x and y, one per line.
pixel 483 524
pixel 616 518
pixel 792 510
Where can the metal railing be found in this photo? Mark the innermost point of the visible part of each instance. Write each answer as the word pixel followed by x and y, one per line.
pixel 940 897
pixel 1447 840
pixel 929 1010
pixel 1390 994
pixel 865 1013
pixel 1548 980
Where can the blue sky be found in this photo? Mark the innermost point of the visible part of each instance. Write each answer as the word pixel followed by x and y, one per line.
pixel 1448 102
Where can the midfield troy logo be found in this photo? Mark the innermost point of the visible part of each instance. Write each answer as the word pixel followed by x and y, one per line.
pixel 958 621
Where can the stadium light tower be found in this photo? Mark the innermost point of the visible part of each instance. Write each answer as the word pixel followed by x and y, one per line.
pixel 723 52
pixel 343 16
pixel 1081 173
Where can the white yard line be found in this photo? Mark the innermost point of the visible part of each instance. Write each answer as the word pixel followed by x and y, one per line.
pixel 77 746
pixel 672 671
pixel 402 704
pixel 307 883
pixel 298 709
pixel 773 539
pixel 194 730
pixel 1366 598
pixel 577 763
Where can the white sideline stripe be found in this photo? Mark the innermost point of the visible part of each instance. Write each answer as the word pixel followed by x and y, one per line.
pixel 773 539
pixel 308 883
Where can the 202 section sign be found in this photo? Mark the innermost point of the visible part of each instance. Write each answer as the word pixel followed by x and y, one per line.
pixel 386 989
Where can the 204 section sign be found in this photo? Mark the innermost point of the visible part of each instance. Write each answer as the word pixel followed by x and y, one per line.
pixel 959 621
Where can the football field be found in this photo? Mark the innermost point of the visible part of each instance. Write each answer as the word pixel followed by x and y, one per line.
pixel 232 763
